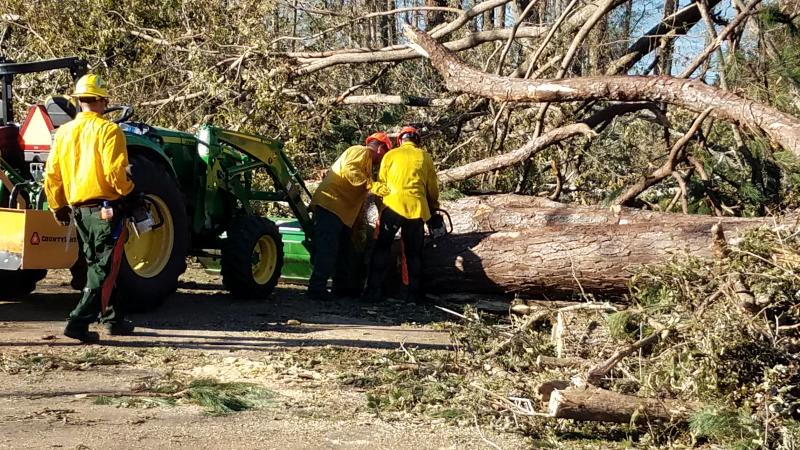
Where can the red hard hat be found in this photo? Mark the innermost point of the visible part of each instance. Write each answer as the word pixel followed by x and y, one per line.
pixel 381 137
pixel 405 131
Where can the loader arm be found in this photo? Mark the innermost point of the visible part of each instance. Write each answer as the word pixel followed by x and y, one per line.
pixel 260 152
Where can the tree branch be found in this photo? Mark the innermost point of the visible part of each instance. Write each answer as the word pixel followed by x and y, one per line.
pixel 518 155
pixel 676 154
pixel 673 25
pixel 782 128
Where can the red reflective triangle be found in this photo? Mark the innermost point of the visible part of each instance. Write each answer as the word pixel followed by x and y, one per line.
pixel 36 131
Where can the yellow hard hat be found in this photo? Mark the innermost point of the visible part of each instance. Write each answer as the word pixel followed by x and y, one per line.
pixel 90 85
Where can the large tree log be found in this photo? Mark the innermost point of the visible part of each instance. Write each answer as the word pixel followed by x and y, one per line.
pixel 782 128
pixel 511 212
pixel 532 246
pixel 600 405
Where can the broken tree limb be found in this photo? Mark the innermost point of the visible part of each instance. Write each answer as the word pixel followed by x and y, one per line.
pixel 538 144
pixel 518 155
pixel 311 65
pixel 600 370
pixel 547 388
pixel 676 155
pixel 552 362
pixel 782 128
pixel 387 99
pixel 670 27
pixel 600 405
pixel 519 333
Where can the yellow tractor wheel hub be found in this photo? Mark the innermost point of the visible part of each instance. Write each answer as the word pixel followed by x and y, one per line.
pixel 265 256
pixel 149 253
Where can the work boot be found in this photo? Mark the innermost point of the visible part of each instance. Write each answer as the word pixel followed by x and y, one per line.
pixel 418 298
pixel 82 334
pixel 319 295
pixel 342 293
pixel 372 296
pixel 120 328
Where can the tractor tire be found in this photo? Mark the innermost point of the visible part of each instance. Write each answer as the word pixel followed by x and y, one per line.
pixel 153 262
pixel 19 283
pixel 252 258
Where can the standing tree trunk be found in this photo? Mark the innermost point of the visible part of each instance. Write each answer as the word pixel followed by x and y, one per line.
pixel 500 17
pixel 488 20
pixel 388 24
pixel 434 18
pixel 665 53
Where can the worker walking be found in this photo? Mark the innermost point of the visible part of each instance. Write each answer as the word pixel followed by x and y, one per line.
pixel 336 204
pixel 410 190
pixel 85 179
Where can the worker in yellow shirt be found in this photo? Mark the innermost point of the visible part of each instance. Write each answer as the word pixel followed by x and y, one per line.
pixel 410 190
pixel 85 178
pixel 336 204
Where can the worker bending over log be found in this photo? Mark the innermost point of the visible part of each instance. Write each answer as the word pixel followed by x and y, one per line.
pixel 408 184
pixel 336 205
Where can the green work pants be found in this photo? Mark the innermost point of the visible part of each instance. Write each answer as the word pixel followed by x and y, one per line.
pixel 97 245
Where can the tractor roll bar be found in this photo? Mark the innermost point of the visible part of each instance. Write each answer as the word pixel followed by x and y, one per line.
pixel 8 69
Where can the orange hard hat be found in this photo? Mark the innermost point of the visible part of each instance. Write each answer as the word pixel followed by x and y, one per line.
pixel 406 131
pixel 381 137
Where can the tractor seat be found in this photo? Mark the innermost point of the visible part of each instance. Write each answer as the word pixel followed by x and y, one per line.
pixel 60 110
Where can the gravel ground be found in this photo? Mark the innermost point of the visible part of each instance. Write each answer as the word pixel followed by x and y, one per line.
pixel 202 333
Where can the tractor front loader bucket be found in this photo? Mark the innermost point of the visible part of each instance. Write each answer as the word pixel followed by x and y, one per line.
pixel 32 239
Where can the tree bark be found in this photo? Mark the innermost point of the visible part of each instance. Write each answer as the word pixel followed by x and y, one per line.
pixel 511 212
pixel 314 62
pixel 600 405
pixel 782 128
pixel 531 246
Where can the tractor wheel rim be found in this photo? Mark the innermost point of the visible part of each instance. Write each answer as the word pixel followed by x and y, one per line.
pixel 265 255
pixel 149 253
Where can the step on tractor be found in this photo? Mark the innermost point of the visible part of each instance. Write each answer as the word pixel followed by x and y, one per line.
pixel 202 191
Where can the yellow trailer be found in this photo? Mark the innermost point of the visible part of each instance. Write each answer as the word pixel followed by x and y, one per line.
pixel 32 239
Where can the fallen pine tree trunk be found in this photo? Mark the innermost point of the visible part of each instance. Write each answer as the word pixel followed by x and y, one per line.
pixel 506 212
pixel 530 246
pixel 600 405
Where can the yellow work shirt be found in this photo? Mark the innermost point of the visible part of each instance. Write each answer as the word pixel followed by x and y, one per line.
pixel 87 161
pixel 407 181
pixel 345 186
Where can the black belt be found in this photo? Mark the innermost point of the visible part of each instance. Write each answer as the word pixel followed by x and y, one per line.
pixel 93 206
pixel 89 209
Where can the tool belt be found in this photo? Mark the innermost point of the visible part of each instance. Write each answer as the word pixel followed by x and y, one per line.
pixel 94 206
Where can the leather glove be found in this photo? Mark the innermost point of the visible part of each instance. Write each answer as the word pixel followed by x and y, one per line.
pixel 436 226
pixel 132 202
pixel 63 215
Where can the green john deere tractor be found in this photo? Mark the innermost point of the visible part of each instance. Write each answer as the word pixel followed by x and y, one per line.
pixel 199 189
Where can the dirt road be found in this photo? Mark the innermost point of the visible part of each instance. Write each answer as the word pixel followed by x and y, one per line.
pixel 56 393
